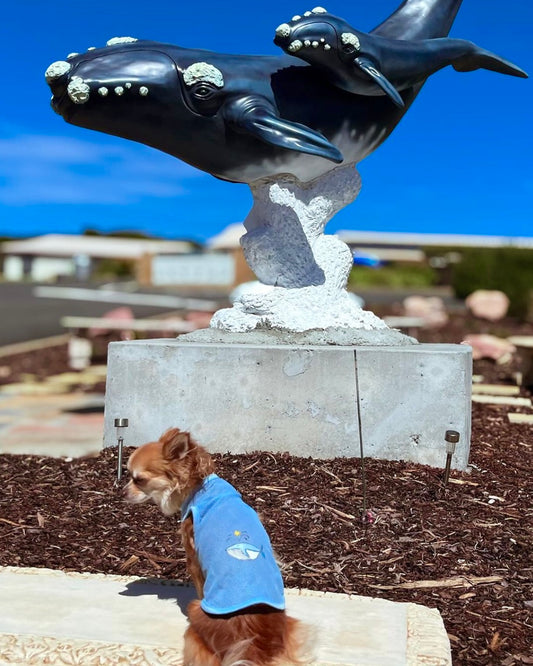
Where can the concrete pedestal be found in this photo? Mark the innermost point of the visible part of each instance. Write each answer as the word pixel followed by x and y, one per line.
pixel 308 400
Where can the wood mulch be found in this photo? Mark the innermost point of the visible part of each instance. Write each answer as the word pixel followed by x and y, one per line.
pixel 465 548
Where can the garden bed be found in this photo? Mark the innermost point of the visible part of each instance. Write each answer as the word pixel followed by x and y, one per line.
pixel 464 548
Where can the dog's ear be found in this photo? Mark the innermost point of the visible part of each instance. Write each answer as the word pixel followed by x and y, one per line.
pixel 176 444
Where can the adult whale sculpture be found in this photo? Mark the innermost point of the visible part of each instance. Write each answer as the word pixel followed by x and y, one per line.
pixel 286 127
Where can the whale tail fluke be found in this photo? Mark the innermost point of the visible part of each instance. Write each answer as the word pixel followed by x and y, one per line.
pixel 480 59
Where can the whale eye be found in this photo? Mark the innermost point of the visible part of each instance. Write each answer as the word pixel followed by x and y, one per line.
pixel 203 91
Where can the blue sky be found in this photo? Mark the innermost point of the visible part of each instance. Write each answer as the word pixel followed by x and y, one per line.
pixel 459 162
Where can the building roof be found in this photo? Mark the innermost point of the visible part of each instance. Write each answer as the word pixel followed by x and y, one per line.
pixel 399 239
pixel 228 238
pixel 101 247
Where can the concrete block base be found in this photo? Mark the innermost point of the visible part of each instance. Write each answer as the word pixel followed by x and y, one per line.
pixel 308 400
pixel 52 617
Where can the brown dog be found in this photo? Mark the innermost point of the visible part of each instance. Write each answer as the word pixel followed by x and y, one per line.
pixel 239 618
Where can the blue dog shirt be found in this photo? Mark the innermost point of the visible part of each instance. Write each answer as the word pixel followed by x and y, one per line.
pixel 233 549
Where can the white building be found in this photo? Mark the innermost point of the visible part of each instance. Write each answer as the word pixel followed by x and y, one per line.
pixel 53 256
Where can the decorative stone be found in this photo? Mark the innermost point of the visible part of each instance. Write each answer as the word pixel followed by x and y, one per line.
pixel 431 310
pixel 489 346
pixel 491 305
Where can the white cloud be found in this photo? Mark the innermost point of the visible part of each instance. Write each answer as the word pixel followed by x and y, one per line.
pixel 37 169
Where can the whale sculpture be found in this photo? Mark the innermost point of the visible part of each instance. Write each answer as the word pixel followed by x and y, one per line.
pixel 369 64
pixel 291 126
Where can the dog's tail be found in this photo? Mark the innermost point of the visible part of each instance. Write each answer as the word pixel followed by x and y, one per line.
pixel 258 636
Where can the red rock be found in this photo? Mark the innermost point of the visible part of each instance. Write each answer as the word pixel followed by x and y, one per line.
pixel 429 308
pixel 491 305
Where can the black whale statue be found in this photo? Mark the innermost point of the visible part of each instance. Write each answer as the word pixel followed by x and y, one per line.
pixel 243 118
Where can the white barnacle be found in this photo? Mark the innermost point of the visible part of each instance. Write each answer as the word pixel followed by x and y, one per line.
pixel 72 55
pixel 103 91
pixel 127 85
pixel 57 69
pixel 119 90
pixel 143 90
pixel 120 40
pixel 203 71
pixel 348 38
pixel 307 42
pixel 283 30
pixel 314 45
pixel 296 18
pixel 307 13
pixel 91 48
pixel 78 90
pixel 320 10
pixel 327 47
pixel 295 46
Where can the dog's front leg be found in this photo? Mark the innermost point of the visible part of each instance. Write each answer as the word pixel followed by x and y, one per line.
pixel 193 566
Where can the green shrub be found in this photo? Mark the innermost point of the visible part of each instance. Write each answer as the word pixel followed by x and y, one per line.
pixel 392 275
pixel 109 269
pixel 507 269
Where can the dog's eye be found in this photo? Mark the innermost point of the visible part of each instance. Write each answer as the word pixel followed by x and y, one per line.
pixel 139 480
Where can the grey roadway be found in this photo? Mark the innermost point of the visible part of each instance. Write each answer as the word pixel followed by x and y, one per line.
pixel 25 316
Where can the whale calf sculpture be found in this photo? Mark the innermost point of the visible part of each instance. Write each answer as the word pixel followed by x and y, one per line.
pixel 291 126
pixel 367 64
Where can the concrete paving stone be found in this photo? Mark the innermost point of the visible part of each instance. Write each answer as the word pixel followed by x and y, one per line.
pixel 516 417
pixel 48 425
pixel 496 389
pixel 502 400
pixel 53 617
pixel 31 389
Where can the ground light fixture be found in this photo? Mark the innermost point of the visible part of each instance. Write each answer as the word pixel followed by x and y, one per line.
pixel 119 425
pixel 451 437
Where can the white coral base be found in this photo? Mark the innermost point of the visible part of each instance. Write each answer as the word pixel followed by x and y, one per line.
pixel 296 310
pixel 307 271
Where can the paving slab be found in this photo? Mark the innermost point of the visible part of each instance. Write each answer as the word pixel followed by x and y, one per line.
pixel 52 617
pixel 54 424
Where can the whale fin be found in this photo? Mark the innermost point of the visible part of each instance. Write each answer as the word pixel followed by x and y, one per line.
pixel 419 19
pixel 256 116
pixel 480 59
pixel 369 68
